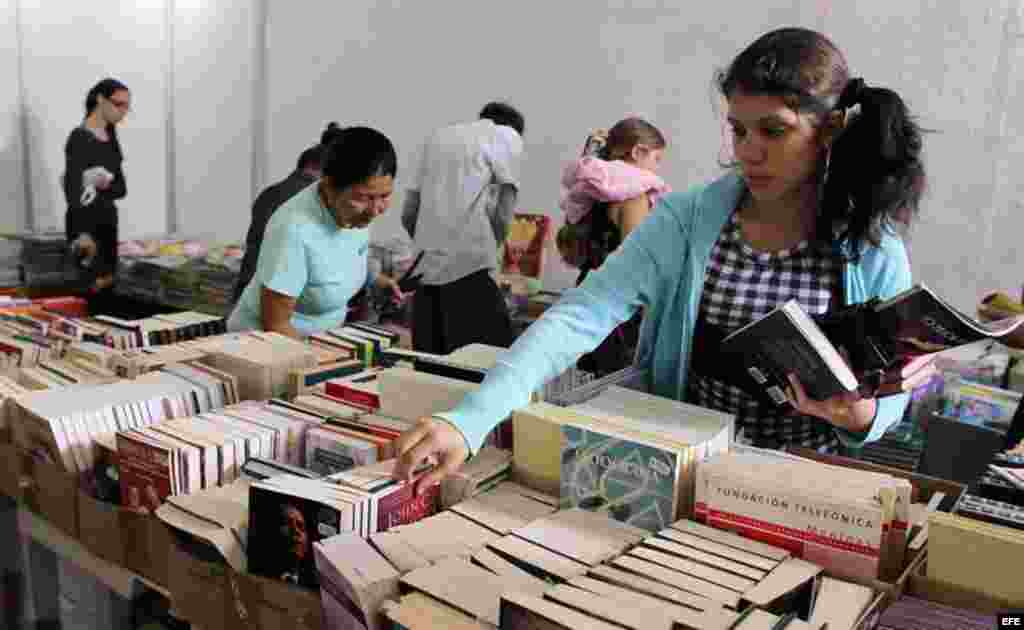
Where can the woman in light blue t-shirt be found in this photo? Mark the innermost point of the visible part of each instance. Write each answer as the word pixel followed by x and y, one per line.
pixel 314 256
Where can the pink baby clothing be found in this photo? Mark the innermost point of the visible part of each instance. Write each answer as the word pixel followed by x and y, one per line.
pixel 590 179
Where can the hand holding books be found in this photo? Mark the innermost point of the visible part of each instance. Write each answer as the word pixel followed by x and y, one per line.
pixel 431 438
pixel 854 410
pixel 846 410
pixel 388 283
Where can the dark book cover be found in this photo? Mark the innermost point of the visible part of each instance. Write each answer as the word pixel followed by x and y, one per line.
pixel 787 341
pixel 282 530
pixel 918 321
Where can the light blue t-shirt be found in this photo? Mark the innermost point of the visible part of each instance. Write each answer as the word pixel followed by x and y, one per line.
pixel 306 255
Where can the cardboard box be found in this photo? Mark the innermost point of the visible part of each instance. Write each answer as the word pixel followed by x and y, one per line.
pixel 213 595
pixel 137 541
pixel 923 489
pixel 924 587
pixel 51 492
pixel 12 475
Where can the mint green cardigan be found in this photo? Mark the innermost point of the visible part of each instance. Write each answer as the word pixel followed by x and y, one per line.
pixel 660 267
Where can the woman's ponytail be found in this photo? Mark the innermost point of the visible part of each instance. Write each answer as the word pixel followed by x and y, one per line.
pixel 874 178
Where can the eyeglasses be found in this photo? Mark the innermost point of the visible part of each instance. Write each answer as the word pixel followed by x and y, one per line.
pixel 125 105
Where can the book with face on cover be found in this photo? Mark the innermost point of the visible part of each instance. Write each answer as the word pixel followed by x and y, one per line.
pixel 287 515
pixel 524 254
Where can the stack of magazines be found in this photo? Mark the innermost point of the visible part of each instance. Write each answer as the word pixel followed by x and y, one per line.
pixel 42 258
pixel 10 258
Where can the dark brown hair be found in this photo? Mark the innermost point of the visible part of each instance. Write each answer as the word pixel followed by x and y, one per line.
pixel 875 177
pixel 629 132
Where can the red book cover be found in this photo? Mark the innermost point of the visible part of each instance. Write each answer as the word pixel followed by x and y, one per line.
pixel 335 399
pixel 398 506
pixel 145 473
pixel 9 349
pixel 524 245
pixel 346 391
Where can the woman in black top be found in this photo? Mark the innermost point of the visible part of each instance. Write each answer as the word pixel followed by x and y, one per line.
pixel 93 181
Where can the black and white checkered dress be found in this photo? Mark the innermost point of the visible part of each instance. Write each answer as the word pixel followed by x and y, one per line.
pixel 742 284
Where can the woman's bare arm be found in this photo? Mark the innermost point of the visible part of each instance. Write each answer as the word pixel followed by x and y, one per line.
pixel 276 313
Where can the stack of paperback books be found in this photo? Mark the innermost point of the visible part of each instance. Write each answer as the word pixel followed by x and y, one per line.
pixel 852 522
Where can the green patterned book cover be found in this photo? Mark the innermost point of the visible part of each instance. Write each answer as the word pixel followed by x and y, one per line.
pixel 634 482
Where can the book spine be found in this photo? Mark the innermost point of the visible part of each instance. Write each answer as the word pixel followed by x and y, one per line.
pixel 355 396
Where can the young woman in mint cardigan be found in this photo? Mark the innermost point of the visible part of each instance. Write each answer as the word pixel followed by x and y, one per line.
pixel 826 169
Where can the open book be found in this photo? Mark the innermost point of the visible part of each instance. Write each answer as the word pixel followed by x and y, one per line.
pixel 921 322
pixel 882 339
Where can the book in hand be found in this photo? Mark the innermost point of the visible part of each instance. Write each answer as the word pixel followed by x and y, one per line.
pixel 918 321
pixel 886 342
pixel 788 341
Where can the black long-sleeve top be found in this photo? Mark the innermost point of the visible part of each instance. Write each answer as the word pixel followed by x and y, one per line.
pixel 84 151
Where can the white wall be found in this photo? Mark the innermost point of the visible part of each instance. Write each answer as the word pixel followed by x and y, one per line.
pixel 12 186
pixel 213 111
pixel 406 67
pixel 68 47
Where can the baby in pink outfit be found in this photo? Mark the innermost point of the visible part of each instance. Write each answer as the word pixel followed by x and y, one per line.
pixel 617 167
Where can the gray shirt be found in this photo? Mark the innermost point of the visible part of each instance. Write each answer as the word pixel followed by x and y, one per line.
pixel 464 195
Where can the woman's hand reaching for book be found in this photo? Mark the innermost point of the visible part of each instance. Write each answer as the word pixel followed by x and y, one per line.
pixel 431 438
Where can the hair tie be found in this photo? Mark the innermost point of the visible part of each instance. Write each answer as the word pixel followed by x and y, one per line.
pixel 852 93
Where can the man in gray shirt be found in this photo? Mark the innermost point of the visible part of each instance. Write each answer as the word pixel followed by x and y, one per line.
pixel 458 213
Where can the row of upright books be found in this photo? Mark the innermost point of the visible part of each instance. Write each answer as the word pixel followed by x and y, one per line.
pixel 26 335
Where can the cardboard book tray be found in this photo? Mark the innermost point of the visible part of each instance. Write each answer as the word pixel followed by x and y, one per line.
pixel 930 589
pixel 44 488
pixel 211 594
pixel 47 490
pixel 135 540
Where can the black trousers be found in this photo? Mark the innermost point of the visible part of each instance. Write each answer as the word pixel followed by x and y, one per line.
pixel 101 222
pixel 469 310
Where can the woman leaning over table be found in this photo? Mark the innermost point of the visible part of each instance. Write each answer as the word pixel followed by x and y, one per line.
pixel 826 167
pixel 314 256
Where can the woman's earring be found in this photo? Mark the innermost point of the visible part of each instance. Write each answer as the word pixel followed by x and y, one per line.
pixel 823 178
